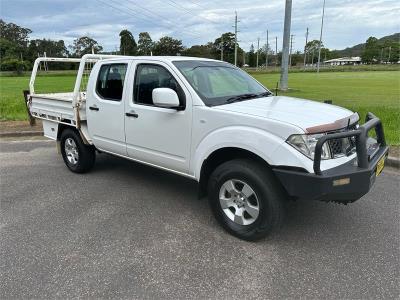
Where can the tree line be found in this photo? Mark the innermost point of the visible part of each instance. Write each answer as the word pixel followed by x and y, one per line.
pixel 18 52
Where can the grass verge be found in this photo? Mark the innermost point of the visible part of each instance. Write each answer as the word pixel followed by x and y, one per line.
pixel 374 91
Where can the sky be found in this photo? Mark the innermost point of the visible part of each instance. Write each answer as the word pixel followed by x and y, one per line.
pixel 347 22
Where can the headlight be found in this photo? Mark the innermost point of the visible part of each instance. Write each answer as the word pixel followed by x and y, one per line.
pixel 306 143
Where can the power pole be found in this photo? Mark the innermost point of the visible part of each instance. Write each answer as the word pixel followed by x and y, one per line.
pixel 266 52
pixel 244 58
pixel 258 50
pixel 46 68
pixel 320 37
pixel 236 32
pixel 291 48
pixel 390 49
pixel 312 58
pixel 285 46
pixel 305 50
pixel 276 51
pixel 222 47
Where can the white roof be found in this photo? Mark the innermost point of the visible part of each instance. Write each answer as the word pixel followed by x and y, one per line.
pixel 164 58
pixel 344 59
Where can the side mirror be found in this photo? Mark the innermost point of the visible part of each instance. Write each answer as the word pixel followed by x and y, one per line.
pixel 165 97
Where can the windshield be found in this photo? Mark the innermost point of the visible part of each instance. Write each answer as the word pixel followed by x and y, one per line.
pixel 220 83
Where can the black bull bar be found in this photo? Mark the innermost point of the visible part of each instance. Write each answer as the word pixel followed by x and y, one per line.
pixel 361 136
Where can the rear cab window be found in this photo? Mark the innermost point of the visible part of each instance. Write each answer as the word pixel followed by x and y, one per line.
pixel 110 81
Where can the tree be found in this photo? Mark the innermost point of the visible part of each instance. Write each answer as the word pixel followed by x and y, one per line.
pixel 13 47
pixel 52 48
pixel 312 50
pixel 145 44
pixel 84 45
pixel 251 57
pixel 168 46
pixel 14 64
pixel 391 47
pixel 227 42
pixel 200 51
pixel 128 44
pixel 371 51
pixel 14 33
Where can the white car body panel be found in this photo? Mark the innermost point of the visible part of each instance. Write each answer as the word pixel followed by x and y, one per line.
pixel 180 141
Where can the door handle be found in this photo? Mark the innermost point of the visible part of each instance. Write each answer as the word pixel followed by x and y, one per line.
pixel 132 114
pixel 93 108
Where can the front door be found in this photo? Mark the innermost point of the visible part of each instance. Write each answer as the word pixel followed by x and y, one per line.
pixel 156 135
pixel 105 108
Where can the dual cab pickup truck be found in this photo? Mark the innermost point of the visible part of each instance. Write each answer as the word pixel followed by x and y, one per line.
pixel 210 121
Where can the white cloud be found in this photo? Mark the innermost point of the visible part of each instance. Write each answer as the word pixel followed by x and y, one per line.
pixel 347 22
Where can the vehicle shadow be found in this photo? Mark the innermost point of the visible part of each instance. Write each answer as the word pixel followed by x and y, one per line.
pixel 305 219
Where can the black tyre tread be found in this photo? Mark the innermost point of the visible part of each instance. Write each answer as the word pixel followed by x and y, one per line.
pixel 87 154
pixel 266 184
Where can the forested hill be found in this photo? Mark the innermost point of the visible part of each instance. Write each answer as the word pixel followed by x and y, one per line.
pixel 358 49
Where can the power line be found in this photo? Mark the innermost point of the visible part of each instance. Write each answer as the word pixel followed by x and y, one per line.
pixel 197 4
pixel 177 5
pixel 128 11
pixel 173 24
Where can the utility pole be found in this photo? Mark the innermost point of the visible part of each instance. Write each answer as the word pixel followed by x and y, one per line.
pixel 291 49
pixel 258 50
pixel 320 37
pixel 236 32
pixel 285 46
pixel 276 51
pixel 222 47
pixel 305 50
pixel 390 49
pixel 312 58
pixel 46 68
pixel 266 52
pixel 244 58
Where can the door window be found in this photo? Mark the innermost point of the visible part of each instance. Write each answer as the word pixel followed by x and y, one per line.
pixel 110 82
pixel 149 77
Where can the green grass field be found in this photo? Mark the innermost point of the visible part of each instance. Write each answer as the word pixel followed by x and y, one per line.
pixel 375 91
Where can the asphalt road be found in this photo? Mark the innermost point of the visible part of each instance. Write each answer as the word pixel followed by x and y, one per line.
pixel 129 231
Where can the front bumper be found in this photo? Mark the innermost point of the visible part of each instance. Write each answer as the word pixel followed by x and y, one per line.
pixel 347 182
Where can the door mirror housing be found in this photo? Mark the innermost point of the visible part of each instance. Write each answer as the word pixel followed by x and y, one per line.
pixel 165 97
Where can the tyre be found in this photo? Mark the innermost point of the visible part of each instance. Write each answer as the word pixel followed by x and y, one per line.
pixel 246 199
pixel 77 156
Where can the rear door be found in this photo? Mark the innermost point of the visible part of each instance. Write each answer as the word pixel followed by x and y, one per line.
pixel 105 108
pixel 156 135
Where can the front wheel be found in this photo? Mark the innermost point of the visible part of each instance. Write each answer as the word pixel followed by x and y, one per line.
pixel 77 156
pixel 246 199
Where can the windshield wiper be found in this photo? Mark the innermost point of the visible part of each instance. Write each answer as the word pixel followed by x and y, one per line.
pixel 265 94
pixel 247 96
pixel 241 97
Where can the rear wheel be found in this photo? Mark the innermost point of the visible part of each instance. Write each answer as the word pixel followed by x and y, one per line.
pixel 246 199
pixel 77 156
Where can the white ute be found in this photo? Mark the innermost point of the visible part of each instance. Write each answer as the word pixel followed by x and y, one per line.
pixel 210 121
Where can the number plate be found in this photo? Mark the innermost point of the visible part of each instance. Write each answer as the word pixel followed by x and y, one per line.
pixel 380 165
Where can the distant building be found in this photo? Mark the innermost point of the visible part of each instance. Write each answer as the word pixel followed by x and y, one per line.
pixel 344 61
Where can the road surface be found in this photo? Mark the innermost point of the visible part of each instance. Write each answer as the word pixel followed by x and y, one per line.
pixel 129 231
